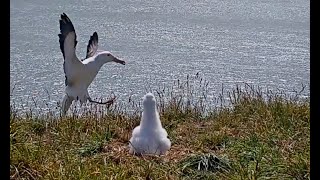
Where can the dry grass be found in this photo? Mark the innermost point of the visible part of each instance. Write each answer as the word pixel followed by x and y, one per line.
pixel 261 135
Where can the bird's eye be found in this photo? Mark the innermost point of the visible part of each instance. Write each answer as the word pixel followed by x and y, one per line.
pixel 108 54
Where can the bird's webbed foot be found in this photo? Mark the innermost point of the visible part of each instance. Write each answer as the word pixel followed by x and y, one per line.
pixel 108 103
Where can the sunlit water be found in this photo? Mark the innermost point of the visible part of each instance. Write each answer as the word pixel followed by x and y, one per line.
pixel 259 42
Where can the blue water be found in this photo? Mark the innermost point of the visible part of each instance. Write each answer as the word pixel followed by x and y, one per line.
pixel 259 42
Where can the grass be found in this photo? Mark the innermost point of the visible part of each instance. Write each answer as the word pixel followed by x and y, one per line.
pixel 259 135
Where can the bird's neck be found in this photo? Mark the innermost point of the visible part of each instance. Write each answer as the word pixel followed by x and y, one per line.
pixel 95 65
pixel 99 62
pixel 150 119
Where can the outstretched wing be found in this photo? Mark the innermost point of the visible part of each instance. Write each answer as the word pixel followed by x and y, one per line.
pixel 67 37
pixel 92 45
pixel 68 42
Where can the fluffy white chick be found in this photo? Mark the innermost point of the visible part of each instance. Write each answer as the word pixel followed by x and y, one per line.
pixel 149 137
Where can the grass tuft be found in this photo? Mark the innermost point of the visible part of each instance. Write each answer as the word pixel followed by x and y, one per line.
pixel 205 165
pixel 257 134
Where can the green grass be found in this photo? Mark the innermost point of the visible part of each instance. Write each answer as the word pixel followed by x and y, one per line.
pixel 260 135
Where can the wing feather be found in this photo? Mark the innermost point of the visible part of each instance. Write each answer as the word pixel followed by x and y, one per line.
pixel 92 45
pixel 68 42
pixel 67 45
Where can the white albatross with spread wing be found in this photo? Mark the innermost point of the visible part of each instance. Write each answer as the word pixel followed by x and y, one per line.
pixel 80 73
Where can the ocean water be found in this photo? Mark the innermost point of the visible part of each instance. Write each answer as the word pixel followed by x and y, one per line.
pixel 259 42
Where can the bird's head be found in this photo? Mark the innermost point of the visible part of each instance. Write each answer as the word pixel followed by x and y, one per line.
pixel 149 101
pixel 106 56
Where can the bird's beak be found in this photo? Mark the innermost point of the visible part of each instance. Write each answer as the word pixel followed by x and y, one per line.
pixel 119 61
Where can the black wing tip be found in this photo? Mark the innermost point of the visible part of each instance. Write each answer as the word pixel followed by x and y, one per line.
pixel 93 41
pixel 63 15
pixel 95 36
pixel 66 27
pixel 65 22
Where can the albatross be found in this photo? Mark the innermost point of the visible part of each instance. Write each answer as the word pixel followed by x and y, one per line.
pixel 149 137
pixel 79 74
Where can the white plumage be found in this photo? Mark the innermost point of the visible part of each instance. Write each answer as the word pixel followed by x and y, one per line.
pixel 79 74
pixel 149 137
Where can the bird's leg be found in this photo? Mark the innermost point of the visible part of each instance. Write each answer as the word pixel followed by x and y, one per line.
pixel 108 103
pixel 66 103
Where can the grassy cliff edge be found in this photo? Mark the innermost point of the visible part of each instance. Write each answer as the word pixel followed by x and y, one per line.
pixel 259 135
